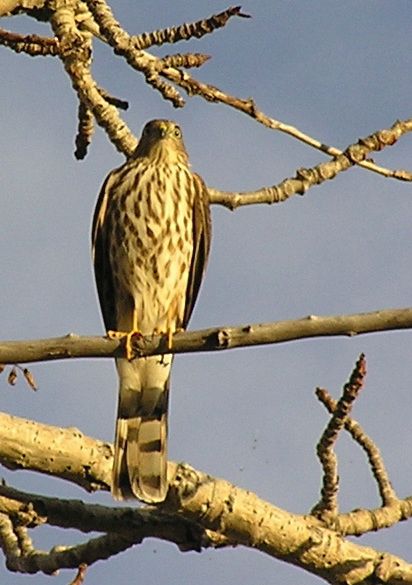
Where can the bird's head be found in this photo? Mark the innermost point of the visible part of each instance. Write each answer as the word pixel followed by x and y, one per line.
pixel 162 141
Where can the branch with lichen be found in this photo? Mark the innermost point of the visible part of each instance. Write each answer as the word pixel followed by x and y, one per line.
pixel 187 31
pixel 199 512
pixel 74 22
pixel 327 508
pixel 32 45
pixel 75 52
pixel 386 491
pixel 128 47
pixel 359 521
pixel 304 179
pixel 85 128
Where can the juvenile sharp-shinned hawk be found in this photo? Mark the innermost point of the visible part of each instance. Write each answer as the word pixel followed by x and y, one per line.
pixel 151 235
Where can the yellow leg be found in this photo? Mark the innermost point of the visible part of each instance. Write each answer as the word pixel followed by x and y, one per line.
pixel 169 332
pixel 129 335
pixel 169 338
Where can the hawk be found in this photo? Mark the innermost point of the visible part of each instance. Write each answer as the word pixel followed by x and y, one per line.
pixel 150 240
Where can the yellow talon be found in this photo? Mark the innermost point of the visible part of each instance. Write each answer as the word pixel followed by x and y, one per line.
pixel 169 338
pixel 169 334
pixel 128 342
pixel 129 335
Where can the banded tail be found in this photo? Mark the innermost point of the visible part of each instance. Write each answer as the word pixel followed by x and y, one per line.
pixel 140 452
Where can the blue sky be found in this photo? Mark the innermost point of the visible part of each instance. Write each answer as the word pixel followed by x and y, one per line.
pixel 337 71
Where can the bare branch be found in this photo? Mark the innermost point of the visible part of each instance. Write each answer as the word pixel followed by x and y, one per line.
pixel 223 512
pixel 124 527
pixel 8 540
pixel 214 506
pixel 7 7
pixel 24 540
pixel 188 30
pixel 188 60
pixel 85 131
pixel 66 557
pixel 121 104
pixel 32 45
pixel 306 178
pixel 75 52
pixel 35 8
pixel 327 508
pixel 29 445
pixel 214 339
pixel 73 23
pixel 123 44
pixel 248 107
pixel 361 521
pixel 385 488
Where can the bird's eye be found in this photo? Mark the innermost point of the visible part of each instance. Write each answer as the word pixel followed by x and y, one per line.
pixel 178 132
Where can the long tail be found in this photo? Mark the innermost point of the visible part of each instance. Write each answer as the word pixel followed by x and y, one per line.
pixel 140 453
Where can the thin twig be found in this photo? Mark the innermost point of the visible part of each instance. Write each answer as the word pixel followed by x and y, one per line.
pixel 247 106
pixel 32 45
pixel 24 541
pixel 187 31
pixel 123 44
pixel 380 474
pixel 306 178
pixel 85 131
pixel 327 508
pixel 110 30
pixel 121 104
pixel 8 540
pixel 187 60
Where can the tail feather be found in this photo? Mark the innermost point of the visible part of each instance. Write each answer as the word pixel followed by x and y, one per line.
pixel 147 459
pixel 140 458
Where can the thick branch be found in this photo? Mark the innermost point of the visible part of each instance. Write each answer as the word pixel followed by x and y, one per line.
pixel 239 517
pixel 7 7
pixel 124 527
pixel 26 444
pixel 74 52
pixel 214 339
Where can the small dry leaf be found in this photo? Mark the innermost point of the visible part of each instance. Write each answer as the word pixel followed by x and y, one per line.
pixel 2 368
pixel 29 378
pixel 12 377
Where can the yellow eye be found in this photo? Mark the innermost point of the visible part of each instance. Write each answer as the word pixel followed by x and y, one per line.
pixel 178 132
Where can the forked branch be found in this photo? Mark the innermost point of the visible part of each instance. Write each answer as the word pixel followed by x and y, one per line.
pixel 74 23
pixel 327 508
pixel 200 511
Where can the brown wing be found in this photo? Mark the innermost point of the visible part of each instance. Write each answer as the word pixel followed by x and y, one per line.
pixel 201 245
pixel 100 251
